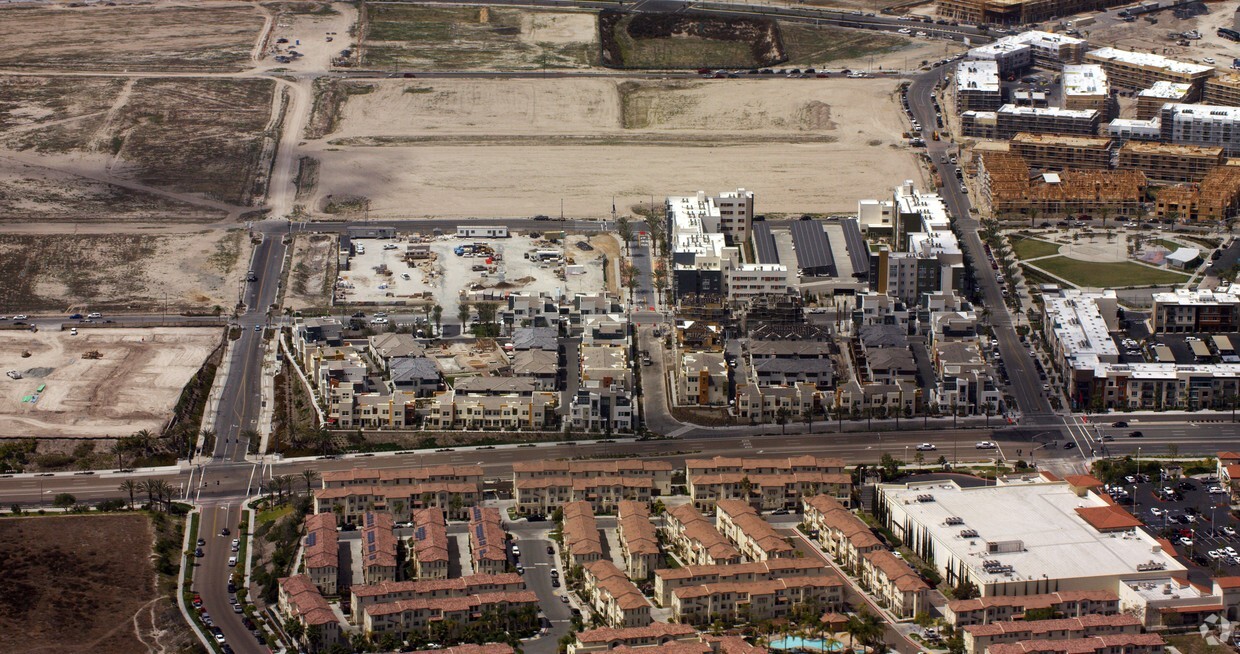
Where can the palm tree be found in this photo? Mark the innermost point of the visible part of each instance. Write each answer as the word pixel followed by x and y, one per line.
pixel 437 312
pixel 309 475
pixel 130 486
pixel 144 439
pixel 624 229
pixel 208 438
pixel 149 486
pixel 866 628
pixel 250 436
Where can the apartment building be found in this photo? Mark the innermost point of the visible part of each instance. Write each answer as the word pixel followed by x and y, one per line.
pixel 452 409
pixel 1215 198
pixel 769 483
pixel 394 591
pixel 655 634
pixel 925 257
pixel 452 497
pixel 703 378
pixel 301 601
pixel 840 532
pixel 1060 152
pixel 1085 87
pixel 1008 187
pixel 1151 100
pixel 1016 52
pixel 1196 311
pixel 639 544
pixel 977 86
pixel 322 554
pixel 604 400
pixel 1166 162
pixel 980 637
pixel 1011 119
pixel 1223 90
pixel 1201 124
pixel 616 600
pixel 754 537
pixel 428 547
pixel 1000 608
pixel 659 472
pixel 755 601
pixel 542 495
pixel 402 617
pixel 582 543
pixel 1126 643
pixel 468 474
pixel 379 561
pixel 694 539
pixel 896 585
pixel 669 579
pixel 1140 70
pixel 488 542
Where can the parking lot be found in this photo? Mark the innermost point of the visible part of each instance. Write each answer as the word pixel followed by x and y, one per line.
pixel 1195 520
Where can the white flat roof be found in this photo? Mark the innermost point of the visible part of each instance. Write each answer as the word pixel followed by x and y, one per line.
pixel 1150 60
pixel 1078 323
pixel 977 76
pixel 1048 111
pixel 1208 111
pixel 1054 541
pixel 1084 79
pixel 1165 89
pixel 1185 296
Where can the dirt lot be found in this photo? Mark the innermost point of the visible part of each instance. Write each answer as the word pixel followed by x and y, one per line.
pixel 307 26
pixel 1144 37
pixel 313 271
pixel 77 584
pixel 132 386
pixel 172 37
pixel 55 272
pixel 470 38
pixel 483 148
pixel 206 137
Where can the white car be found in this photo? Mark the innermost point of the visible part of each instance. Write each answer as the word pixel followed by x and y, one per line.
pixel 1186 541
pixel 926 447
pixel 1231 551
pixel 94 315
pixel 1230 531
pixel 232 561
pixel 1209 60
pixel 986 445
pixel 1215 554
pixel 378 321
pixel 1156 511
pixel 1216 490
pixel 21 316
pixel 73 331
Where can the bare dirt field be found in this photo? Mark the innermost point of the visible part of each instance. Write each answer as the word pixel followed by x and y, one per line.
pixel 1145 37
pixel 78 584
pixel 204 137
pixel 191 37
pixel 482 148
pixel 125 272
pixel 313 271
pixel 132 386
pixel 471 38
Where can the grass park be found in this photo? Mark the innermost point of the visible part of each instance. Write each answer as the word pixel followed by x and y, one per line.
pixel 1107 275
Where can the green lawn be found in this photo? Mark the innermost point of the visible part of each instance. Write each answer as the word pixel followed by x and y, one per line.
pixel 1029 248
pixel 1108 275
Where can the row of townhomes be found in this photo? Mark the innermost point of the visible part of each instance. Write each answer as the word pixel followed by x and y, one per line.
pixel 400 381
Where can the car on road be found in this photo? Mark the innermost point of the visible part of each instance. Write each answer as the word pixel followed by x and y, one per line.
pixel 232 561
pixel 550 549
pixel 94 315
pixel 199 553
pixel 986 445
pixel 258 328
pixel 1120 424
pixel 1156 511
pixel 1216 490
pixel 225 532
pixel 1135 434
pixel 75 316
pixel 516 551
pixel 927 447
pixel 201 542
pixel 378 321
pixel 520 569
pixel 21 316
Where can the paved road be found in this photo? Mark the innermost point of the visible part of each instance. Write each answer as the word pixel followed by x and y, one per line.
pixel 533 541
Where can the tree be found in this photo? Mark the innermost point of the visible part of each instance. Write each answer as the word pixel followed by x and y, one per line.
pixel 251 437
pixel 629 276
pixel 487 311
pixel 890 465
pixel 624 229
pixel 462 313
pixel 808 416
pixel 437 313
pixel 130 486
pixel 64 500
pixel 294 628
pixel 865 628
pixel 309 475
pixel 781 417
pixel 149 487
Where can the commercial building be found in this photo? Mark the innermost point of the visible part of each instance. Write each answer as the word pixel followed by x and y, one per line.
pixel 753 536
pixel 1151 100
pixel 1060 152
pixel 1140 70
pixel 1165 162
pixel 757 600
pixel 979 637
pixel 616 600
pixel 1196 312
pixel 998 608
pixel 488 547
pixel 639 544
pixel 1085 87
pixel 669 579
pixel 1223 90
pixel 395 591
pixel 1201 124
pixel 428 547
pixel 1025 535
pixel 977 86
pixel 1044 49
pixel 694 540
pixel 322 553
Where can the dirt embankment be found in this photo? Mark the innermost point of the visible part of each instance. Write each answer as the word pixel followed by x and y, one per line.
pixel 678 31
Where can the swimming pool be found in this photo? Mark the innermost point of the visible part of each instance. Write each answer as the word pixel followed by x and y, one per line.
pixel 799 644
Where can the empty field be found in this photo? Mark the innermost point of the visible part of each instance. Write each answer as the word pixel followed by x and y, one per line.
pixel 134 272
pixel 206 137
pixel 134 37
pixel 477 148
pixel 313 271
pixel 471 38
pixel 669 41
pixel 1091 274
pixel 133 385
pixel 809 45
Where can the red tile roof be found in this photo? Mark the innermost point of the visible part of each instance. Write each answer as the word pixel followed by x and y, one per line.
pixel 1108 518
pixel 468 585
pixel 1037 627
pixel 1227 582
pixel 897 571
pixel 1084 481
pixel 487 538
pixel 429 543
pixel 1079 645
pixel 322 549
pixel 633 520
pixel 650 631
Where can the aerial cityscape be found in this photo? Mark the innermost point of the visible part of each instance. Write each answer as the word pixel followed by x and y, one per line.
pixel 648 326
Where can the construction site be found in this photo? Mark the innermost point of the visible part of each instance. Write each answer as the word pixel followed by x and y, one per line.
pixel 1008 187
pixel 1216 197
